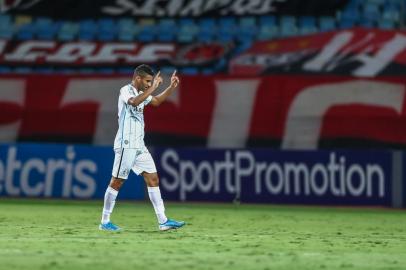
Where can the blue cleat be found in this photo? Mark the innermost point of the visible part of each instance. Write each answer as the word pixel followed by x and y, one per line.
pixel 109 227
pixel 171 224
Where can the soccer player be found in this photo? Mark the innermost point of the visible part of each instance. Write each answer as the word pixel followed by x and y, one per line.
pixel 129 147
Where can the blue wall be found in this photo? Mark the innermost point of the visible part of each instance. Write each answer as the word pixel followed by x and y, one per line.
pixel 67 171
pixel 197 174
pixel 266 176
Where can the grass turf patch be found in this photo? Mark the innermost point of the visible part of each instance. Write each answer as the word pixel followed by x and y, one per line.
pixel 56 234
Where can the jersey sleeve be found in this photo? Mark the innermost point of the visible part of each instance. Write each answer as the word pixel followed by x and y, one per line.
pixel 147 100
pixel 125 94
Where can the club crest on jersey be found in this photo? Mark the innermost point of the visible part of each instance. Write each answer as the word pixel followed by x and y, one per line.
pixel 125 172
pixel 138 109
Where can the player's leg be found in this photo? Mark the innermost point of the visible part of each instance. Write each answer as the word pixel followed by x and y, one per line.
pixel 154 193
pixel 110 198
pixel 144 165
pixel 123 160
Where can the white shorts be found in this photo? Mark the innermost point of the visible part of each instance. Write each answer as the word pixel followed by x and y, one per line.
pixel 126 159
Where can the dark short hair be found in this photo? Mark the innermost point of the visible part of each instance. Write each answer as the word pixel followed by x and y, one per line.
pixel 143 70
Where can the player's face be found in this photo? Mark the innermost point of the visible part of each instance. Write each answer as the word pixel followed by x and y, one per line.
pixel 144 82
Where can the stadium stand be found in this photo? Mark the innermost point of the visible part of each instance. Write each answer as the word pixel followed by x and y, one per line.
pixel 383 14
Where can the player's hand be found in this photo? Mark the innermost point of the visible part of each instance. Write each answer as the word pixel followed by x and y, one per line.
pixel 174 80
pixel 157 80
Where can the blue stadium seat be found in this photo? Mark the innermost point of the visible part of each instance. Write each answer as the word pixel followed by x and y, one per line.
pixel 187 30
pixel 46 28
pixel 268 28
pixel 147 33
pixel 247 29
pixel 26 32
pixel 391 12
pixel 227 21
pixel 349 17
pixel 127 29
pixel 248 21
pixel 287 20
pixel 307 25
pixel 227 28
pixel 207 30
pixel 166 30
pixel 6 27
pixel 371 12
pixel 288 26
pixel 147 30
pixel 349 14
pixel 106 29
pixel 68 31
pixel 267 20
pixel 327 23
pixel 344 24
pixel 87 30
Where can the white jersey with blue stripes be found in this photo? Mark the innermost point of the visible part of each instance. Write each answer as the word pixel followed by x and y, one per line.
pixel 130 132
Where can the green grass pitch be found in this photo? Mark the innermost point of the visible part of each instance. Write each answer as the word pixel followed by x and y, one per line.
pixel 53 234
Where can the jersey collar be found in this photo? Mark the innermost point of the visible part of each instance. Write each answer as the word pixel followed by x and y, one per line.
pixel 133 88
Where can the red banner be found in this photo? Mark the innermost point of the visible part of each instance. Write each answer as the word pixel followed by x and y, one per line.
pixel 357 52
pixel 290 112
pixel 108 54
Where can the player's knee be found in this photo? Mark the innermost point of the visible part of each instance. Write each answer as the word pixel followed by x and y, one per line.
pixel 116 183
pixel 153 181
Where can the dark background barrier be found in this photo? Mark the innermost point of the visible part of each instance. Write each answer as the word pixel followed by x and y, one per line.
pixel 78 9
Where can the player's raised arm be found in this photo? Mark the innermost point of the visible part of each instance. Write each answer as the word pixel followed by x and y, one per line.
pixel 148 85
pixel 158 99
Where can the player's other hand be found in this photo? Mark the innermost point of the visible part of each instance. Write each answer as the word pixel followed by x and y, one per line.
pixel 157 80
pixel 174 80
